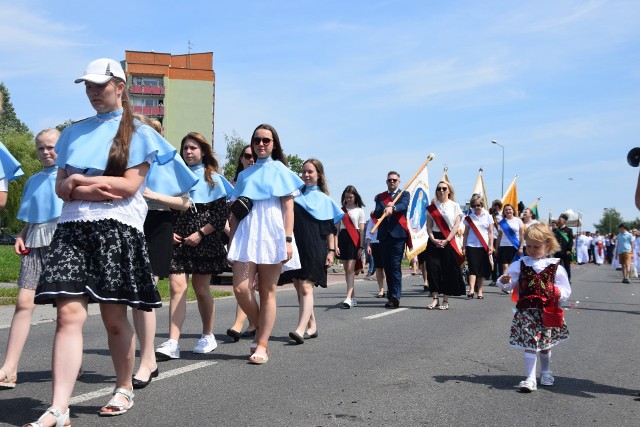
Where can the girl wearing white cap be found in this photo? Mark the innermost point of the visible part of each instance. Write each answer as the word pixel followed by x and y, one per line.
pixel 98 252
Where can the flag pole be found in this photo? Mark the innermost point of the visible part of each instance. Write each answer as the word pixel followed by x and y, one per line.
pixel 413 178
pixel 534 203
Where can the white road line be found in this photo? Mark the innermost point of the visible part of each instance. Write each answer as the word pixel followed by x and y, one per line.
pixel 386 313
pixel 108 390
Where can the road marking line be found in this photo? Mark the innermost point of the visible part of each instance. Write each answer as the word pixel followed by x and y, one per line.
pixel 386 313
pixel 109 390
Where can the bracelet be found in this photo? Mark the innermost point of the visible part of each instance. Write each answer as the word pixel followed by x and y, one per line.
pixel 201 233
pixel 331 250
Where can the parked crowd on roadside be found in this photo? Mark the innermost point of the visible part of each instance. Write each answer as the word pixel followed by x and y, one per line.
pixel 116 208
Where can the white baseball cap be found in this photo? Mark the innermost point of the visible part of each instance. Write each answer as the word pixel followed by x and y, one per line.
pixel 101 71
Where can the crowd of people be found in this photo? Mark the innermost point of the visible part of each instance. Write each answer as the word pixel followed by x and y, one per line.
pixel 116 207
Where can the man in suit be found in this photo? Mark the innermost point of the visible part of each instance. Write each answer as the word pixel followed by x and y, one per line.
pixel 564 236
pixel 393 233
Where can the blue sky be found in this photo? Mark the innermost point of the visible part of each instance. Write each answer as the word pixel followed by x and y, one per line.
pixel 370 86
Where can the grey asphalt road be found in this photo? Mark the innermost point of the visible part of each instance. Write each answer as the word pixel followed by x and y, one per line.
pixel 370 366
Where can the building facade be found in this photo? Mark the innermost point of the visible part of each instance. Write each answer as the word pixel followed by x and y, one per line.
pixel 178 90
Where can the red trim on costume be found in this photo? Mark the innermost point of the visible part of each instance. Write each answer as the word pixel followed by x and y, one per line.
pixel 444 229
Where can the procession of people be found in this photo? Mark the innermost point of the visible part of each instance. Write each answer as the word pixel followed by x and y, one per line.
pixel 116 208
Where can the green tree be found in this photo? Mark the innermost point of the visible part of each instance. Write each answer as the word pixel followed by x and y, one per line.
pixel 234 148
pixel 609 221
pixel 8 119
pixel 295 163
pixel 64 125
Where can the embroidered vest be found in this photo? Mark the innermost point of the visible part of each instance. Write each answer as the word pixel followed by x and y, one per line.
pixel 535 290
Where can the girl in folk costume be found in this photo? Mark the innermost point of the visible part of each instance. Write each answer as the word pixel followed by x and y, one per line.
pixel 199 247
pixel 315 216
pixel 351 240
pixel 98 252
pixel 262 241
pixel 443 255
pixel 539 282
pixel 478 244
pixel 510 237
pixel 40 209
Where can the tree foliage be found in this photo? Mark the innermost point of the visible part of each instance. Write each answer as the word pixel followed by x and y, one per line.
pixel 610 220
pixel 295 163
pixel 8 119
pixel 234 148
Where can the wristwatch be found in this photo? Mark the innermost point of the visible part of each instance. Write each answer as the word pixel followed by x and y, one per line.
pixel 289 239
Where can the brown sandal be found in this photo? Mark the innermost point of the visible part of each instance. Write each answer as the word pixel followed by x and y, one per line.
pixel 259 359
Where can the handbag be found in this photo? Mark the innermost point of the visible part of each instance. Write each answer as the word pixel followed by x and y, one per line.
pixel 241 207
pixel 552 315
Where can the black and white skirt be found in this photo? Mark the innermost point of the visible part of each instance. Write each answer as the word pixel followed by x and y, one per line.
pixel 105 260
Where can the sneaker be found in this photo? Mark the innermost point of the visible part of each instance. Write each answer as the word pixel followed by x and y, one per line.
pixel 625 280
pixel 206 344
pixel 527 386
pixel 347 303
pixel 546 378
pixel 168 350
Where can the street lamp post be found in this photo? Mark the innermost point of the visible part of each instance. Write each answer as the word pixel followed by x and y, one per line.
pixel 493 141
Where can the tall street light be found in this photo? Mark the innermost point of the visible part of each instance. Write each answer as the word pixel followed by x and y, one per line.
pixel 493 141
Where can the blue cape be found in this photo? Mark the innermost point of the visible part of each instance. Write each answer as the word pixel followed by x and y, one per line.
pixel 9 166
pixel 267 178
pixel 172 178
pixel 84 146
pixel 203 192
pixel 318 204
pixel 39 200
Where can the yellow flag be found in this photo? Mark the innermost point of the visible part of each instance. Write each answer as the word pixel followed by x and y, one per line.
pixel 511 196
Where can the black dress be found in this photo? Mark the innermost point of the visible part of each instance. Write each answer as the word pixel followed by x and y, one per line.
pixel 443 271
pixel 210 256
pixel 311 240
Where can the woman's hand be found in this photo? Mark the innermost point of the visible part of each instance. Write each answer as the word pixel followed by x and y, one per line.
pixel 337 251
pixel 289 250
pixel 19 246
pixel 193 239
pixel 177 239
pixel 505 278
pixel 329 261
pixel 65 188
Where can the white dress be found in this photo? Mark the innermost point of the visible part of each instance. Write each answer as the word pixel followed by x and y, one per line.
pixel 260 237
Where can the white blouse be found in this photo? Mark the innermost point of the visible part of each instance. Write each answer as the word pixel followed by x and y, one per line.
pixel 483 222
pixel 516 225
pixel 450 211
pixel 357 217
pixel 561 281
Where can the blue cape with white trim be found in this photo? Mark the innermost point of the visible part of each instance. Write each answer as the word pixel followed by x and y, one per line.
pixel 84 146
pixel 9 166
pixel 172 178
pixel 319 205
pixel 203 192
pixel 39 200
pixel 267 178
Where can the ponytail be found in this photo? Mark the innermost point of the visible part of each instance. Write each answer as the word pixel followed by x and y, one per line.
pixel 119 152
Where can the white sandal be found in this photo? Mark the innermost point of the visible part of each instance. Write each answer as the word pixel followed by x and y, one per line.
pixel 61 418
pixel 113 404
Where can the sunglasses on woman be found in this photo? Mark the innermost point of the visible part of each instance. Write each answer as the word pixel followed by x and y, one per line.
pixel 264 141
pixel 247 156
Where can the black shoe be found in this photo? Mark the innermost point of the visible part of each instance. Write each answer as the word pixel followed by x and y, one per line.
pixel 395 301
pixel 235 335
pixel 306 336
pixel 382 295
pixel 248 334
pixel 138 384
pixel 296 337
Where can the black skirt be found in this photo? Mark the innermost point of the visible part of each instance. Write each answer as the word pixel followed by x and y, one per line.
pixel 478 262
pixel 105 260
pixel 443 271
pixel 311 240
pixel 376 253
pixel 348 249
pixel 210 255
pixel 158 232
pixel 506 254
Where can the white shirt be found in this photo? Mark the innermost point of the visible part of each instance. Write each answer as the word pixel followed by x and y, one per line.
pixel 516 225
pixel 483 222
pixel 561 280
pixel 450 211
pixel 371 237
pixel 4 184
pixel 357 217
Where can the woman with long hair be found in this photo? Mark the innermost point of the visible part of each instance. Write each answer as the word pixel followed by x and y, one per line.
pixel 262 240
pixel 351 240
pixel 315 216
pixel 510 237
pixel 443 256
pixel 199 246
pixel 98 252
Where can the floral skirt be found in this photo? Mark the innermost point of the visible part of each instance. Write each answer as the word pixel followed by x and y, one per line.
pixel 105 260
pixel 528 332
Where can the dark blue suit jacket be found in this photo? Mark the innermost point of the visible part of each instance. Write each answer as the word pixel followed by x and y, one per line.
pixel 390 226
